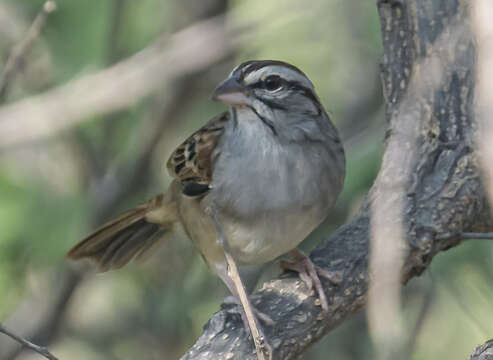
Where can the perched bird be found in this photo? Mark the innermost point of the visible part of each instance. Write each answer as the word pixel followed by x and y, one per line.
pixel 250 184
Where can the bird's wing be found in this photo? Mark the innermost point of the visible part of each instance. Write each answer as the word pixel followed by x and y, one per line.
pixel 191 162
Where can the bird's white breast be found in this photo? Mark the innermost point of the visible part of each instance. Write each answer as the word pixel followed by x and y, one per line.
pixel 269 196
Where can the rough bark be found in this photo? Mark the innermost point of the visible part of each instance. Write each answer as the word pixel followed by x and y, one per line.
pixel 444 196
pixel 483 351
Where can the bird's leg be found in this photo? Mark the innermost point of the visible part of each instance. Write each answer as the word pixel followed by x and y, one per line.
pixel 261 345
pixel 310 275
pixel 263 349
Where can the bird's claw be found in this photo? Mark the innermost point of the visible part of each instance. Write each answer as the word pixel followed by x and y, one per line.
pixel 310 274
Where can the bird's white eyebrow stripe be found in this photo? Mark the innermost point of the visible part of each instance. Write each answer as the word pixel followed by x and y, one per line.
pixel 245 69
pixel 286 73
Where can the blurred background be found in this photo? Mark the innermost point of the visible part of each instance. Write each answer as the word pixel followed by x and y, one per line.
pixel 55 189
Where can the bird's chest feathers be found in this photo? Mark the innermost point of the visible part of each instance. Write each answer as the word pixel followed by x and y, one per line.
pixel 256 175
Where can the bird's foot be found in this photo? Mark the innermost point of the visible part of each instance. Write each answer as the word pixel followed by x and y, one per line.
pixel 310 274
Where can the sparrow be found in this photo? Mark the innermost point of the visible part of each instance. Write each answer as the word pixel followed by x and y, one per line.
pixel 247 187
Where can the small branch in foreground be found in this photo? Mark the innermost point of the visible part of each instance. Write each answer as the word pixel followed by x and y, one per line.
pixel 466 236
pixel 20 49
pixel 25 343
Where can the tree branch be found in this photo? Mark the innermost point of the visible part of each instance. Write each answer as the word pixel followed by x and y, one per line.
pixel 483 351
pixel 443 192
pixel 189 50
pixel 20 49
pixel 39 349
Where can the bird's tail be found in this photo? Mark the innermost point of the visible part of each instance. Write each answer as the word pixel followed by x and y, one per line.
pixel 131 235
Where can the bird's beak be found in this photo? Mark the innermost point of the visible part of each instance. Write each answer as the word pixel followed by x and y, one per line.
pixel 231 92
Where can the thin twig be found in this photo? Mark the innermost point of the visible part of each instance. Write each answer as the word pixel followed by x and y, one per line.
pixel 21 49
pixel 466 236
pixel 25 343
pixel 45 330
pixel 473 235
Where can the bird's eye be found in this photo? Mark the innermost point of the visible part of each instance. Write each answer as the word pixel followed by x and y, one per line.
pixel 272 82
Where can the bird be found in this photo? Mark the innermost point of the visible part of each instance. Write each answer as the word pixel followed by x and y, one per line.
pixel 247 187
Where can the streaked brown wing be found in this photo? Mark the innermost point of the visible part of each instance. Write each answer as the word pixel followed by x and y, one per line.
pixel 191 162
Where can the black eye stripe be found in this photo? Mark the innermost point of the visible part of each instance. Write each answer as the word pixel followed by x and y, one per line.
pixel 291 85
pixel 261 84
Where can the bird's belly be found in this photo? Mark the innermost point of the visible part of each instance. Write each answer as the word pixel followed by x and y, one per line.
pixel 269 236
pixel 252 240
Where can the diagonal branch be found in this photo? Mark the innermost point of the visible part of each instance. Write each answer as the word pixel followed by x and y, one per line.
pixel 21 49
pixel 39 349
pixel 189 50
